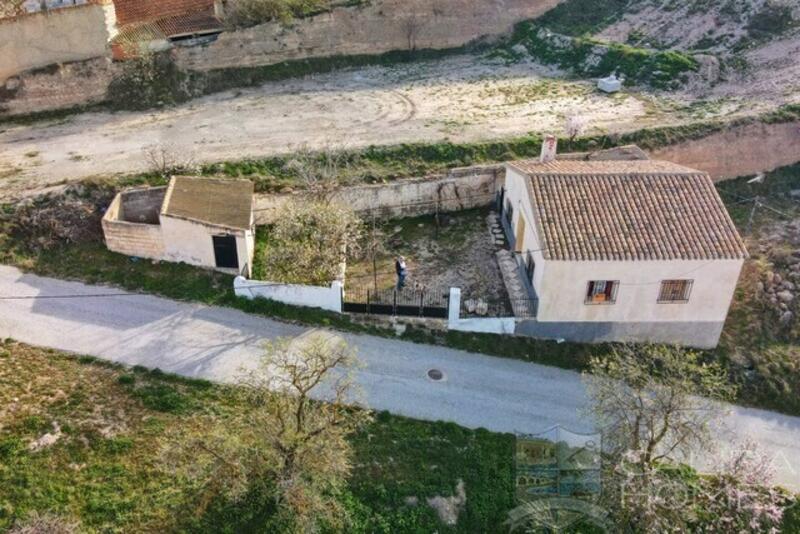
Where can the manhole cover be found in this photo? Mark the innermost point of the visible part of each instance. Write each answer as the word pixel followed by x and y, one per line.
pixel 435 374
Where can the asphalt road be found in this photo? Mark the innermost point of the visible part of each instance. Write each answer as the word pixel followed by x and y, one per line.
pixel 218 343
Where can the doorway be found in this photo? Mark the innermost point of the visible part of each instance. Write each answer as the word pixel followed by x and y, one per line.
pixel 225 252
pixel 520 237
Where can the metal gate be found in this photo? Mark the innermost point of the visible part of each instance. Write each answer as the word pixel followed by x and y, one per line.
pixel 423 302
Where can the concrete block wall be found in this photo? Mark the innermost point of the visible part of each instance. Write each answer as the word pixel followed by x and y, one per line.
pixel 327 298
pixel 461 188
pixel 132 239
pixel 378 27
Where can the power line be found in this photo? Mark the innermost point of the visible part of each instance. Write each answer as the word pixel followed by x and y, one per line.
pixel 75 296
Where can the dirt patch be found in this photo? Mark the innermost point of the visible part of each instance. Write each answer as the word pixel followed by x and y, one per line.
pixel 463 98
pixel 739 151
pixel 459 252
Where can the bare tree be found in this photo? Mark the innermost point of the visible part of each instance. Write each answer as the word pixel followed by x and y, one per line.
pixel 374 246
pixel 412 25
pixel 288 441
pixel 166 159
pixel 322 172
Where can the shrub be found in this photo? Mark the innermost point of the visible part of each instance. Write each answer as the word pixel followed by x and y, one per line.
pixel 73 217
pixel 162 397
pixel 307 243
pixel 151 80
pixel 244 13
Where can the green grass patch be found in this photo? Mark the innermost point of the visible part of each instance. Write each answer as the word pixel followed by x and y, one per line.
pixel 589 57
pixel 118 483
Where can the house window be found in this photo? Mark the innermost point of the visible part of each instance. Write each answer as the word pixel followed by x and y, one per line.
pixel 509 212
pixel 675 290
pixel 601 292
pixel 530 266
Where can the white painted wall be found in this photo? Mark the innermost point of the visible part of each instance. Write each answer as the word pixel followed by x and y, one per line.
pixel 562 285
pixel 486 325
pixel 327 298
pixel 517 192
pixel 191 242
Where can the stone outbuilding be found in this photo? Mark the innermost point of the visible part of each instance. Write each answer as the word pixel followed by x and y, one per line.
pixel 206 222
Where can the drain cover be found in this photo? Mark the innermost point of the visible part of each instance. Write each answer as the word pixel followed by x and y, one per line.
pixel 435 374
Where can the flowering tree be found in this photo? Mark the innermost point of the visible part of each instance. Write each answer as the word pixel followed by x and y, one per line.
pixel 741 496
pixel 574 126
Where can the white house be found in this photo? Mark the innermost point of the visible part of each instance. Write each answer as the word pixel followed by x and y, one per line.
pixel 200 221
pixel 637 250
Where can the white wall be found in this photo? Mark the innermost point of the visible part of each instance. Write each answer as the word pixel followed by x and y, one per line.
pixel 191 242
pixel 564 287
pixel 327 298
pixel 561 285
pixel 517 192
pixel 486 325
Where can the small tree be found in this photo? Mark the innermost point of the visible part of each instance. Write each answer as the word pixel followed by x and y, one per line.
pixel 309 240
pixel 323 172
pixel 740 497
pixel 165 159
pixel 655 400
pixel 286 443
pixel 574 126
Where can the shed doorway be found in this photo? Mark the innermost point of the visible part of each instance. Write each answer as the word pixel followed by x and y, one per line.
pixel 225 252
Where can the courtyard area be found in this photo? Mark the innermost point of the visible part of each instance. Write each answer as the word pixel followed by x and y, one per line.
pixel 458 251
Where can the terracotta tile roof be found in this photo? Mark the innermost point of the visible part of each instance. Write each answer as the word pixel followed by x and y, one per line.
pixel 219 202
pixel 628 210
pixel 131 11
pixel 161 19
pixel 188 23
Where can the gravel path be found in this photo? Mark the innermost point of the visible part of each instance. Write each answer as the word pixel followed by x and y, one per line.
pixel 215 343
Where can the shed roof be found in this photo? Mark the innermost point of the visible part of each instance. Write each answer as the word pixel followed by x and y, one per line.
pixel 628 210
pixel 219 202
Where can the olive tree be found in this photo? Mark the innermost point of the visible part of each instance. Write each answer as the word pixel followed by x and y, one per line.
pixel 284 441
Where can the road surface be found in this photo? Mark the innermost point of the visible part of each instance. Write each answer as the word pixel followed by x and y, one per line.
pixel 216 343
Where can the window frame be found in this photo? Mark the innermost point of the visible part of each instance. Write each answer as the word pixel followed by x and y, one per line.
pixel 588 295
pixel 689 284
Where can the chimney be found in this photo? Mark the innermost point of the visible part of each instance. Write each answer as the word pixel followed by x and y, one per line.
pixel 219 9
pixel 549 149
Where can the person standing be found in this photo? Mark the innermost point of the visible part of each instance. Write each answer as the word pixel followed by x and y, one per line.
pixel 402 272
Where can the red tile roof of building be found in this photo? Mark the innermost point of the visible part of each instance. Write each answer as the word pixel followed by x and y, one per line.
pixel 132 11
pixel 628 210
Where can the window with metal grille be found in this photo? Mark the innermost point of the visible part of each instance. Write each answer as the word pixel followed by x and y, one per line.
pixel 602 292
pixel 675 290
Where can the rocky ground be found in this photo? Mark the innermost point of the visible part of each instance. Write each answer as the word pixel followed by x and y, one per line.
pixel 779 286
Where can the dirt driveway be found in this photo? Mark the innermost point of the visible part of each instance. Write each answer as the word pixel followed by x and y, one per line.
pixel 464 98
